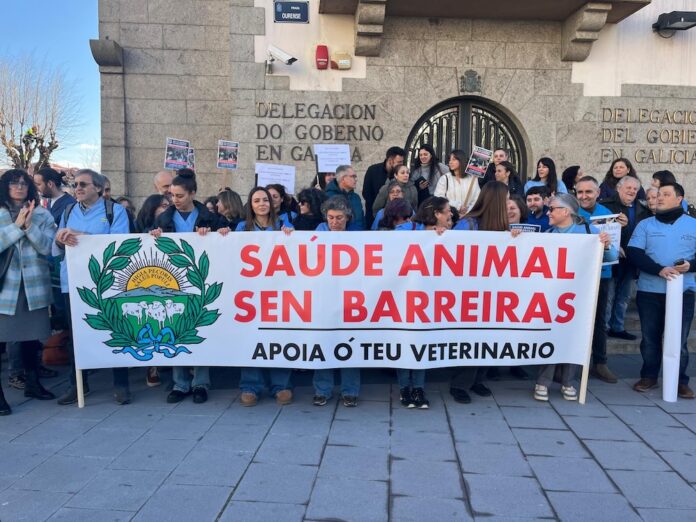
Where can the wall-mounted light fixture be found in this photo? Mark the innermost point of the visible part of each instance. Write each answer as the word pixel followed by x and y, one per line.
pixel 668 23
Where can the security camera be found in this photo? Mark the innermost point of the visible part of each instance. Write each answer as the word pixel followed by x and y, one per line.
pixel 277 54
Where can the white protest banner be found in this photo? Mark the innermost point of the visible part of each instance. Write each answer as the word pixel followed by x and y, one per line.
pixel 478 161
pixel 176 154
pixel 331 156
pixel 228 151
pixel 318 300
pixel 612 227
pixel 270 173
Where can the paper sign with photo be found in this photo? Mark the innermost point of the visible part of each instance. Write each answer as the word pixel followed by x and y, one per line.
pixel 270 173
pixel 176 154
pixel 612 227
pixel 524 227
pixel 478 162
pixel 228 152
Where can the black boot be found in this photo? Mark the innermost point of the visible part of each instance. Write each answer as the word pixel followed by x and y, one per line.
pixel 4 407
pixel 34 390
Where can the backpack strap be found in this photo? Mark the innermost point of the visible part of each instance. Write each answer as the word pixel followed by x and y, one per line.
pixel 67 211
pixel 587 227
pixel 108 208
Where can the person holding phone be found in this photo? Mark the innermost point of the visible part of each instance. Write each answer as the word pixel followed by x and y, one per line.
pixel 663 247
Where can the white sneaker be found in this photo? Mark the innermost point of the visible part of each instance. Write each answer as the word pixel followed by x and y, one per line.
pixel 541 392
pixel 569 393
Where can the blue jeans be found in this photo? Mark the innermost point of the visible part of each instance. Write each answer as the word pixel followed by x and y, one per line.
pixel 412 378
pixel 183 381
pixel 620 288
pixel 651 309
pixel 324 382
pixel 14 359
pixel 252 380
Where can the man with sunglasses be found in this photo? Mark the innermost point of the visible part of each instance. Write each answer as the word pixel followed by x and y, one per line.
pixel 91 215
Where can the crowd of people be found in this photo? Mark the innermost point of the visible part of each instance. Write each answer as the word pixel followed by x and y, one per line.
pixel 39 219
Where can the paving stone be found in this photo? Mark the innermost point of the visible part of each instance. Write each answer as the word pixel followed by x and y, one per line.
pixel 262 512
pixel 649 489
pixel 29 505
pixel 206 466
pixel 682 462
pixel 182 427
pixel 600 428
pixel 570 474
pixel 218 401
pixel 241 438
pixel 263 414
pixel 375 392
pixel 493 459
pixel 55 433
pixel 622 394
pixel 419 445
pixel 407 478
pixel 24 418
pixel 687 419
pixel 367 434
pixel 681 406
pixel 116 489
pixel 491 495
pixel 550 443
pixel 545 418
pixel 598 507
pixel 16 460
pixel 355 462
pixel 366 411
pixel 283 449
pixel 103 443
pixel 474 412
pixel 519 398
pixel 285 483
pixel 409 419
pixel 348 499
pixel 135 416
pixel 497 432
pixel 668 438
pixel 62 474
pixel 410 509
pixel 632 456
pixel 153 453
pixel 591 408
pixel 645 416
pixel 90 515
pixel 666 515
pixel 185 503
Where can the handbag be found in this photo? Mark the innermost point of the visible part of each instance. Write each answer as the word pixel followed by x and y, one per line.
pixel 5 260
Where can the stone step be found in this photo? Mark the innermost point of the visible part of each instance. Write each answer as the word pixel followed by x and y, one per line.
pixel 616 346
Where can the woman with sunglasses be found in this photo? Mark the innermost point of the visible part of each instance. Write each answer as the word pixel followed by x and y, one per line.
pixel 310 216
pixel 27 231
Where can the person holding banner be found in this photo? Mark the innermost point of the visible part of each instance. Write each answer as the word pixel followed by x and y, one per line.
pixel 587 193
pixel 261 217
pixel 187 215
pixel 516 210
pixel 460 188
pixel 310 216
pixel 564 216
pixel 546 177
pixel 663 247
pixel 26 233
pixel 337 214
pixel 631 211
pixel 398 212
pixel 344 185
pixel 284 204
pixel 91 215
pixel 435 213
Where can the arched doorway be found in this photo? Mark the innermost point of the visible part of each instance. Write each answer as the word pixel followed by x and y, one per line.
pixel 464 122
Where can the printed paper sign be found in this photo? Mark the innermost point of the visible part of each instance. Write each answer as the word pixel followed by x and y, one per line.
pixel 176 154
pixel 330 157
pixel 269 173
pixel 478 162
pixel 228 151
pixel 612 227
pixel 333 299
pixel 524 227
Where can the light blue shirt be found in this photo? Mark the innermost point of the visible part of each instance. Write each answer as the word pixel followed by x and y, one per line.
pixel 531 183
pixel 92 221
pixel 664 244
pixel 185 225
pixel 279 224
pixel 609 255
pixel 599 210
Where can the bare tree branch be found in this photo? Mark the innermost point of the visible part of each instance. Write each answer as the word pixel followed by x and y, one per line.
pixel 38 110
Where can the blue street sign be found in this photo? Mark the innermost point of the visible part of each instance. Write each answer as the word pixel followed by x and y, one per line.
pixel 291 12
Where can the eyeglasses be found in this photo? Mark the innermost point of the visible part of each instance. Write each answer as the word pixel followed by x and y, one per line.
pixel 18 184
pixel 551 209
pixel 83 184
pixel 304 202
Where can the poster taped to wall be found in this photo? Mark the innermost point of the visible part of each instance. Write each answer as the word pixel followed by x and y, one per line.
pixel 228 152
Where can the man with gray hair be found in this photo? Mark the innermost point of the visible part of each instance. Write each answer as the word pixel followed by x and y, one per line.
pixel 344 185
pixel 92 214
pixel 631 212
pixel 163 182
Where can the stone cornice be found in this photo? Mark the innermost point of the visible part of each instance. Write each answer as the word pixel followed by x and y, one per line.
pixel 369 27
pixel 581 29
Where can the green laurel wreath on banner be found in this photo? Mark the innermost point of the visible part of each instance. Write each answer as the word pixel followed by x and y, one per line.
pixel 197 314
pixel 109 318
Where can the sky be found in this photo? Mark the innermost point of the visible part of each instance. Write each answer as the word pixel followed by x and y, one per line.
pixel 59 32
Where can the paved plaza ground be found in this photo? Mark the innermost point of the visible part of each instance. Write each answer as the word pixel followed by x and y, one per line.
pixel 623 456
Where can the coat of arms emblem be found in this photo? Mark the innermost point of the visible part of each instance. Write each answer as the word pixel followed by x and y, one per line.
pixel 470 81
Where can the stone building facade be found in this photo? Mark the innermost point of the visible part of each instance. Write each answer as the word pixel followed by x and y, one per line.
pixel 578 86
